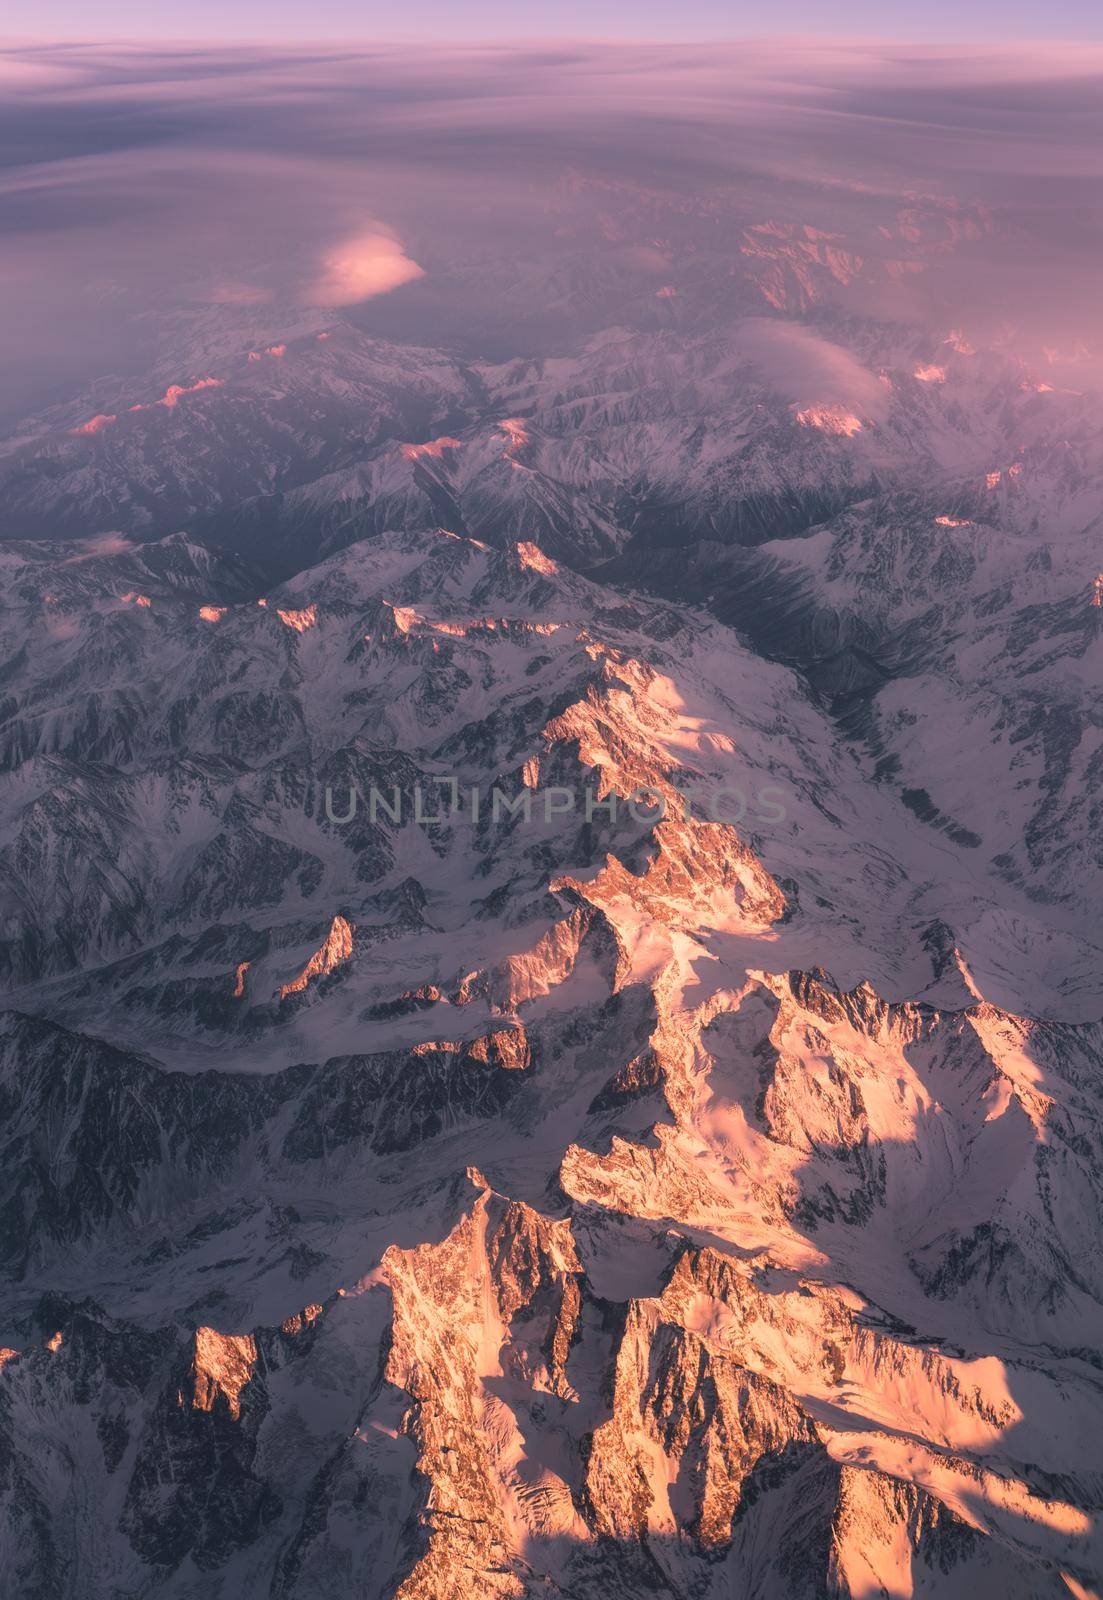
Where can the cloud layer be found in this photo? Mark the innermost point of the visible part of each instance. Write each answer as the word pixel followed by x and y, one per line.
pixel 450 187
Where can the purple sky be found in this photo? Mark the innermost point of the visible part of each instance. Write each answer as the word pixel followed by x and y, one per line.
pixel 989 21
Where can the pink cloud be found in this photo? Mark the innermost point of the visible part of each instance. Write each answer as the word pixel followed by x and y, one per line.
pixel 367 265
pixel 103 544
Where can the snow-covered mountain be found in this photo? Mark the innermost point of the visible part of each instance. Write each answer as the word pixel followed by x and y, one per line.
pixel 513 1205
pixel 553 1019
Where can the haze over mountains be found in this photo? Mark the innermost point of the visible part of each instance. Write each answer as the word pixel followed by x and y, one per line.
pixel 569 1201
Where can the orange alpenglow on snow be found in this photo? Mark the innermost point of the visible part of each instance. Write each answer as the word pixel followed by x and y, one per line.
pixel 175 391
pixel 930 374
pixel 533 558
pixel 299 620
pixel 404 617
pixel 302 1319
pixel 830 419
pixel 667 292
pixel 992 479
pixel 1097 591
pixel 131 597
pixel 239 979
pixel 212 613
pixel 433 447
pixel 255 355
pixel 321 335
pixel 276 350
pixel 224 1363
pixel 1078 1590
pixel 337 949
pixel 171 396
pixel 953 522
pixel 515 431
pixel 96 424
pixel 262 602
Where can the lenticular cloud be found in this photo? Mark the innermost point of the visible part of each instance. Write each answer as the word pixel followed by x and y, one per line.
pixel 810 370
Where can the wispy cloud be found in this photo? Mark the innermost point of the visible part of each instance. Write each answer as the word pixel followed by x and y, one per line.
pixel 141 182
pixel 809 370
pixel 101 544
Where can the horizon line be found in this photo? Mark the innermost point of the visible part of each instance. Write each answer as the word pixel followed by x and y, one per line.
pixel 529 41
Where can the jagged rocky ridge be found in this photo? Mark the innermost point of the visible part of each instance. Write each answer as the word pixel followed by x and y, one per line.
pixel 587 1206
